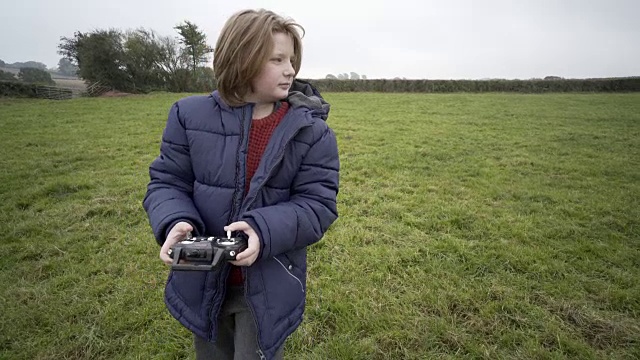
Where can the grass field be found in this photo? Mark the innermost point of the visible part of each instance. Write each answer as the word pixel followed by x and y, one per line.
pixel 494 226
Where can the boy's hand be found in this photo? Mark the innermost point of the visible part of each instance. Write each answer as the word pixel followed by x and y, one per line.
pixel 178 233
pixel 250 254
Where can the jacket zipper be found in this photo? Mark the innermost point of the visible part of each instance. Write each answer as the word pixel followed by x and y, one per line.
pixel 253 315
pixel 246 278
pixel 234 199
pixel 224 292
pixel 223 274
pixel 246 299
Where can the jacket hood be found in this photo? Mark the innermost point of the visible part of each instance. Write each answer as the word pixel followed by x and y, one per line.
pixel 303 94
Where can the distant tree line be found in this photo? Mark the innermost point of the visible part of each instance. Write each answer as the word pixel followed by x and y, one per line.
pixel 31 76
pixel 141 60
pixel 65 67
pixel 7 76
pixel 551 84
pixel 345 76
pixel 28 75
pixel 27 64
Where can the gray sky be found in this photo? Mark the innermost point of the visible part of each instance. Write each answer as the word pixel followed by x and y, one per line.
pixel 416 39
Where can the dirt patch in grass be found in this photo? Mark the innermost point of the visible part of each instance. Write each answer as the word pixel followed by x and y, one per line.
pixel 114 93
pixel 598 330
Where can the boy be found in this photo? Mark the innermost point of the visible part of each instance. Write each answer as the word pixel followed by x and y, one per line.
pixel 254 156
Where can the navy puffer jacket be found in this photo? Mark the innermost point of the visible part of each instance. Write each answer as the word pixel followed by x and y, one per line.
pixel 199 177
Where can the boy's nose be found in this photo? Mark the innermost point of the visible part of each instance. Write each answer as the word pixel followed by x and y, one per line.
pixel 289 71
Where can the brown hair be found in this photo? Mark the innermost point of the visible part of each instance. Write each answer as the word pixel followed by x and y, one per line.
pixel 244 46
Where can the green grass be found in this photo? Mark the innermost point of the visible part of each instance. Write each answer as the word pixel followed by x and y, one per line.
pixel 495 226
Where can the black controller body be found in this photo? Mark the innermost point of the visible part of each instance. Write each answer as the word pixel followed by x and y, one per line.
pixel 205 253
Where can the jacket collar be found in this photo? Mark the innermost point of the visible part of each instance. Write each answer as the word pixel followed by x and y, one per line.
pixel 301 95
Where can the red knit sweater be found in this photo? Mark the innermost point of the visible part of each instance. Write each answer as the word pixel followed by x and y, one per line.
pixel 259 135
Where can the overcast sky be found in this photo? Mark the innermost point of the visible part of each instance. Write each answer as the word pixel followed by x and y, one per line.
pixel 416 39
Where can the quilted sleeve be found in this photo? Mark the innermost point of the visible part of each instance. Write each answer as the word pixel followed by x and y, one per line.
pixel 169 193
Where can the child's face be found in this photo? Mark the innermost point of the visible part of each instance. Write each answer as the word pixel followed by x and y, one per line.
pixel 274 80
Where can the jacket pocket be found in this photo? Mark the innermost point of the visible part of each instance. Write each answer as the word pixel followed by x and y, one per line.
pixel 289 268
pixel 185 291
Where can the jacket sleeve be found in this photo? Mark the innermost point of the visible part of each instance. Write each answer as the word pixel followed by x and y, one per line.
pixel 312 207
pixel 169 193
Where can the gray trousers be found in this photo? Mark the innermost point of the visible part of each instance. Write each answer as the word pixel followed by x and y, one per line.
pixel 237 334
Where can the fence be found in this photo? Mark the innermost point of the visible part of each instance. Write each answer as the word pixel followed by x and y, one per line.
pixel 97 89
pixel 20 89
pixel 55 93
